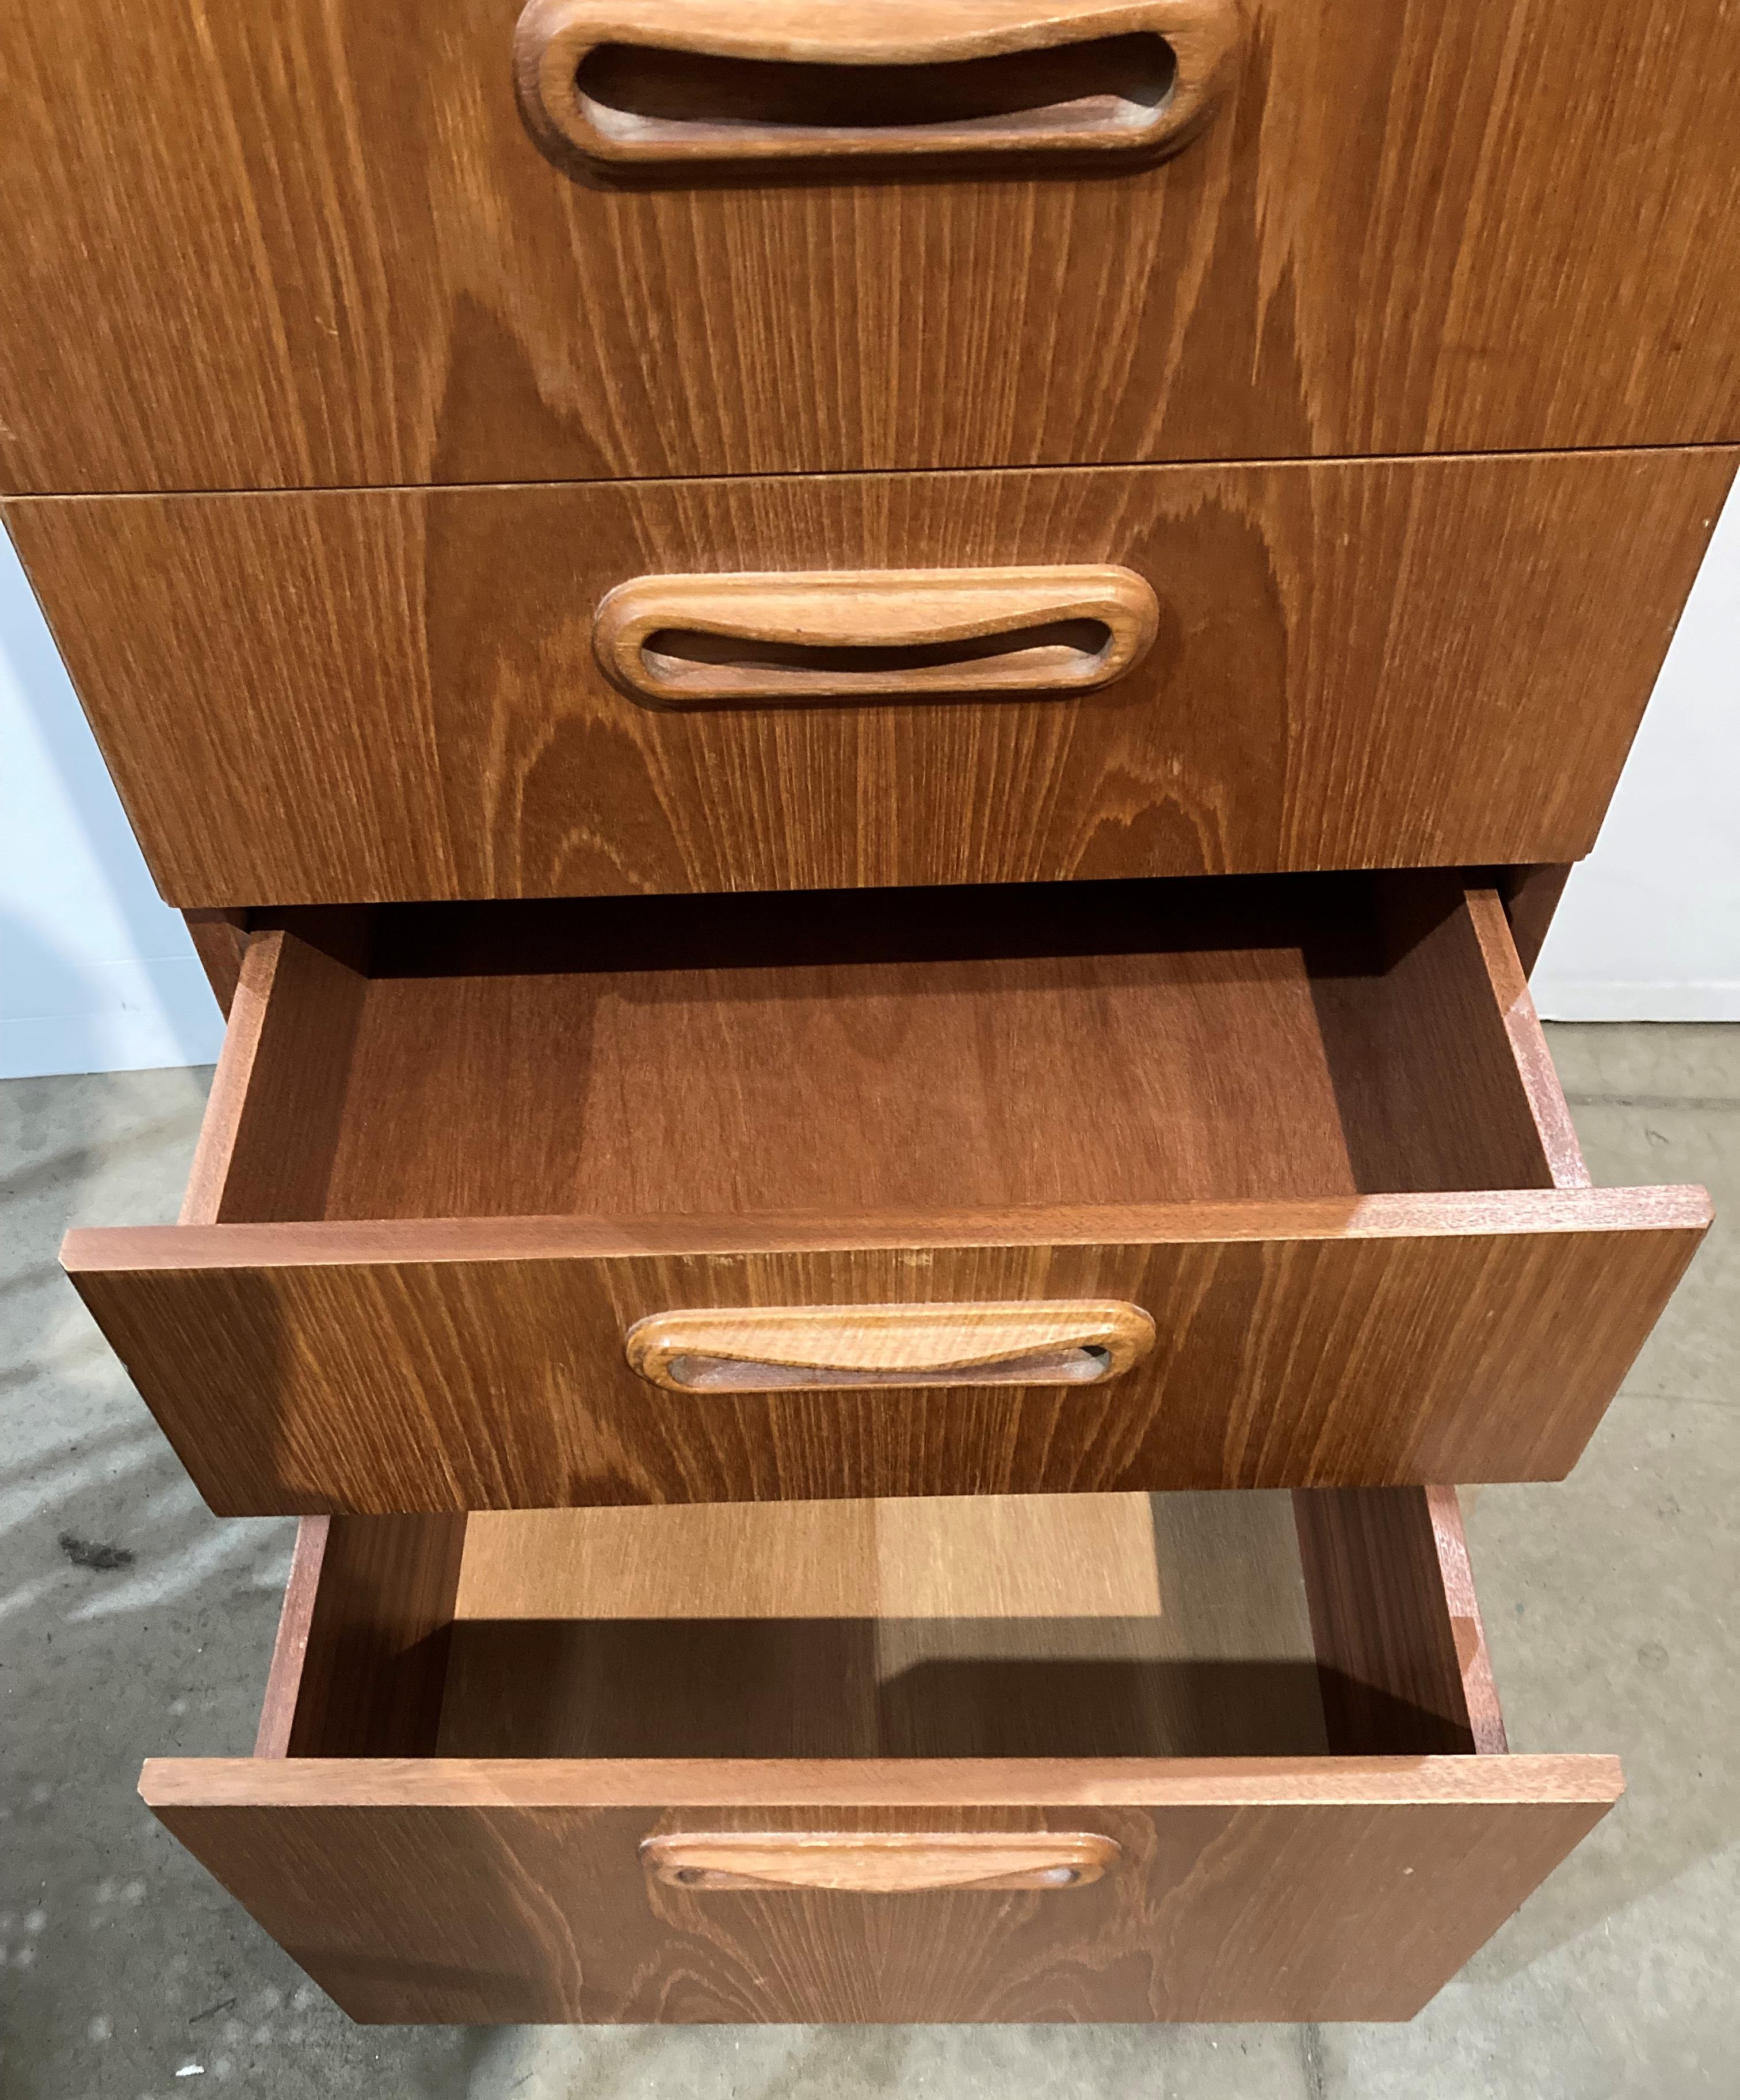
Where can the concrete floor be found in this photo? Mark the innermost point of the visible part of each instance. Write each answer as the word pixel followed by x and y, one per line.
pixel 132 1621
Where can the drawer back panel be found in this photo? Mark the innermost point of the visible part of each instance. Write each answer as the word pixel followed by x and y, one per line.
pixel 310 699
pixel 316 245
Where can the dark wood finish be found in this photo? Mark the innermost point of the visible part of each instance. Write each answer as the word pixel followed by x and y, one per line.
pixel 1457 1026
pixel 363 1670
pixel 1531 897
pixel 318 248
pixel 220 940
pixel 965 1103
pixel 478 1887
pixel 395 695
pixel 1396 1626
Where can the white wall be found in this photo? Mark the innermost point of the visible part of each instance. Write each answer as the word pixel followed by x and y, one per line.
pixel 97 975
pixel 1650 928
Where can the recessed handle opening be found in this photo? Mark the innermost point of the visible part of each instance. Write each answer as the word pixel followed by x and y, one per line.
pixel 1064 650
pixel 647 84
pixel 1085 1365
pixel 643 96
pixel 866 635
pixel 880 1862
pixel 832 1348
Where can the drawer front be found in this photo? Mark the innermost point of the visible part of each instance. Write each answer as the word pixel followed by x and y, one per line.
pixel 315 699
pixel 484 1365
pixel 1362 1832
pixel 485 1220
pixel 468 1891
pixel 321 247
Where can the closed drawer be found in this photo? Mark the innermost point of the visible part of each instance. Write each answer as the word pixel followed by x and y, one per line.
pixel 1091 1758
pixel 309 699
pixel 1236 1184
pixel 318 246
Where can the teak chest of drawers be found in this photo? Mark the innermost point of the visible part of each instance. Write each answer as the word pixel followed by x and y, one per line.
pixel 868 713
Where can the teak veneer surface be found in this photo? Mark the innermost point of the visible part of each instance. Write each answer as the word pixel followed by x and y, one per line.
pixel 317 246
pixel 416 1878
pixel 320 699
pixel 910 1661
pixel 833 1054
pixel 1306 1126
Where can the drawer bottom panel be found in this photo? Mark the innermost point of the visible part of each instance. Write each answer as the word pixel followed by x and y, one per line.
pixel 1188 1756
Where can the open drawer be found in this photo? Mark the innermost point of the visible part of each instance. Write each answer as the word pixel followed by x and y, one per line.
pixel 1263 1182
pixel 1028 1758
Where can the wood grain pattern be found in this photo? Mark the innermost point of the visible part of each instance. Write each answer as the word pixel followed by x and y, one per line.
pixel 898 1051
pixel 271 1116
pixel 290 1648
pixel 1392 1643
pixel 694 1066
pixel 1420 1047
pixel 663 85
pixel 1480 1693
pixel 487 1887
pixel 1369 1342
pixel 1555 1133
pixel 1175 1626
pixel 326 698
pixel 889 634
pixel 821 1348
pixel 467 1891
pixel 1410 227
pixel 916 1051
pixel 363 1670
pixel 966 1557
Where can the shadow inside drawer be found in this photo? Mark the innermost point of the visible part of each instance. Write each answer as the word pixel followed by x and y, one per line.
pixel 863 1688
pixel 1171 1626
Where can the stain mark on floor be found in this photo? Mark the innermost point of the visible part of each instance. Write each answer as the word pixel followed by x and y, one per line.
pixel 88 1553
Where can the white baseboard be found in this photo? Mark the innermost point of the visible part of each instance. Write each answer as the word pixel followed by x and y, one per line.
pixel 120 1016
pixel 1595 998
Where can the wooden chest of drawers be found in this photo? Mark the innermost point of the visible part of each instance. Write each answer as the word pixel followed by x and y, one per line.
pixel 868 713
pixel 317 246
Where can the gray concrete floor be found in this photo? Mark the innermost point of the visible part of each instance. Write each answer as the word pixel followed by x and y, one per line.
pixel 1610 1603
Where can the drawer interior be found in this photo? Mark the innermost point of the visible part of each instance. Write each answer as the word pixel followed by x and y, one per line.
pixel 833 1054
pixel 1031 1758
pixel 1259 1625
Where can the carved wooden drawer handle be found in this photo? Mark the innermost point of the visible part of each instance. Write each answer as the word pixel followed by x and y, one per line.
pixel 641 83
pixel 882 1863
pixel 827 1348
pixel 700 641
